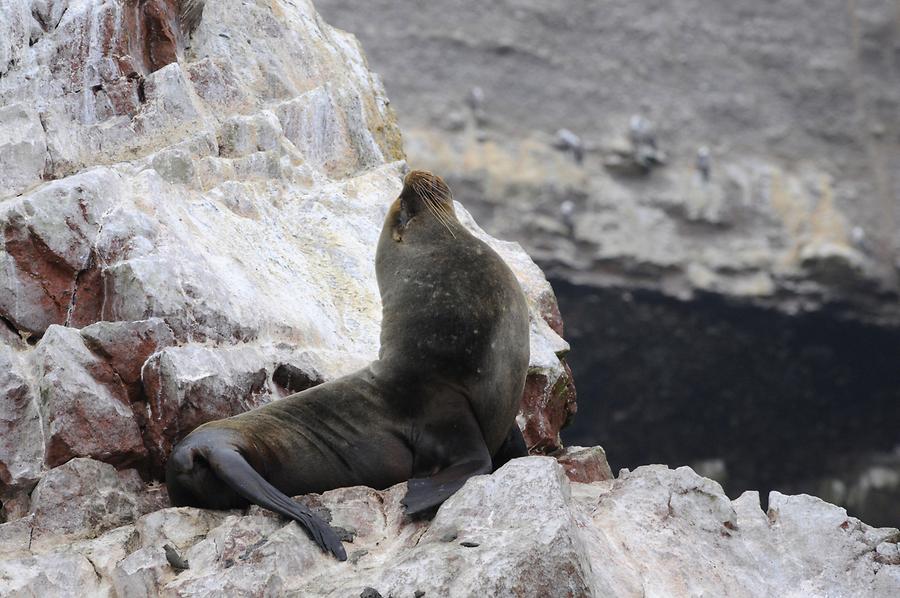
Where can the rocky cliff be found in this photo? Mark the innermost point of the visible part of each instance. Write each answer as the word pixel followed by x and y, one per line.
pixel 188 229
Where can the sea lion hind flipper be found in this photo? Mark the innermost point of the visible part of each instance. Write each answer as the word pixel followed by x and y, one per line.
pixel 234 470
pixel 513 447
pixel 423 494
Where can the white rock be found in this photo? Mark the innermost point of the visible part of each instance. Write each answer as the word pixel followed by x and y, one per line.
pixel 528 543
pixel 82 499
pixel 52 574
pixel 652 532
pixel 23 150
pixel 21 449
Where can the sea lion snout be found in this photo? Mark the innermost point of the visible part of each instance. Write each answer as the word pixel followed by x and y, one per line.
pixel 424 185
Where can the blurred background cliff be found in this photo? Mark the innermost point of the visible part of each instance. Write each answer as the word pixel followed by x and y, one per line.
pixel 714 190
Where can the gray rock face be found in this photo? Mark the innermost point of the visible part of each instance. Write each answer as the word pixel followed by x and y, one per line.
pixel 21 455
pixel 794 116
pixel 765 237
pixel 525 531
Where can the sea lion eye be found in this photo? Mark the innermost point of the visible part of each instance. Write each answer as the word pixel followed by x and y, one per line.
pixel 405 214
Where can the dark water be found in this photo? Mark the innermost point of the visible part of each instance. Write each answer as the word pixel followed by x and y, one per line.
pixel 783 400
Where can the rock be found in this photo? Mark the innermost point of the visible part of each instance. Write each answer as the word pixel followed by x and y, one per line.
pixel 548 405
pixel 15 537
pixel 191 385
pixel 238 557
pixel 142 572
pixel 798 548
pixel 83 403
pixel 84 498
pixel 107 551
pixel 21 451
pixel 585 465
pixel 50 261
pixel 126 347
pixel 182 527
pixel 52 574
pixel 530 545
pixel 23 148
pixel 525 530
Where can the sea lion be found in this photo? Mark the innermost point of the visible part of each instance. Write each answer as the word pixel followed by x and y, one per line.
pixel 434 408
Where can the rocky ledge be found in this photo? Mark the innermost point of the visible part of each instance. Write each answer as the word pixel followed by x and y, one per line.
pixel 526 530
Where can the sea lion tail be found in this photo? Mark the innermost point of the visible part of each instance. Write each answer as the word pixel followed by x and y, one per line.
pixel 231 467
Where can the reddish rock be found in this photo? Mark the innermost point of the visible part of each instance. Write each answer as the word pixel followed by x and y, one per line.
pixel 549 400
pixel 585 465
pixel 126 347
pixel 126 41
pixel 84 404
pixel 46 278
pixel 157 32
pixel 549 310
pixel 48 270
pixel 191 385
pixel 547 407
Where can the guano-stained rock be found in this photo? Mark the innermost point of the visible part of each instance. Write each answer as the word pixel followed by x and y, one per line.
pixel 526 530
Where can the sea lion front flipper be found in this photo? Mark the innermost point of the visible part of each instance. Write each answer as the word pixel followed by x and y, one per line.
pixel 448 442
pixel 233 469
pixel 513 447
pixel 424 493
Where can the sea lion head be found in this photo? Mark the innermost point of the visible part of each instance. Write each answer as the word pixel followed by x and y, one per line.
pixel 425 198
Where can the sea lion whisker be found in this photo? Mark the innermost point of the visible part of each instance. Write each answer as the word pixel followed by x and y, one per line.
pixel 437 211
pixel 431 197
